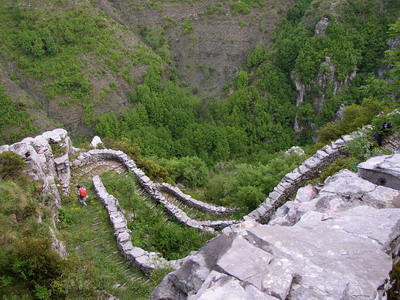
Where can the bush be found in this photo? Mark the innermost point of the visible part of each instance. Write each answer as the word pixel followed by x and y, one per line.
pixel 58 150
pixel 190 171
pixel 11 164
pixel 339 164
pixel 361 148
pixel 187 26
pixel 239 7
pixel 38 265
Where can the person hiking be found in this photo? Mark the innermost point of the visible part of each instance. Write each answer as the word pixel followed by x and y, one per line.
pixel 82 195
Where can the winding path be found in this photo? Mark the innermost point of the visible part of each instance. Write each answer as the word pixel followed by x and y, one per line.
pixel 95 162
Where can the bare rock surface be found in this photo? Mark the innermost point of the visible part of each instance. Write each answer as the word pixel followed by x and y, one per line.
pixel 336 242
pixel 383 170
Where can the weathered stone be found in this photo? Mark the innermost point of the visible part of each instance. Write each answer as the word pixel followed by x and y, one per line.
pixel 274 196
pixel 96 142
pixel 321 155
pixel 382 170
pixel 354 190
pixel 306 193
pixel 248 268
pixel 240 227
pixel 222 286
pixel 293 176
pixel 383 225
pixel 351 264
pixel 312 162
pixel 295 149
pixel 55 136
pixel 278 280
pixel 321 26
pixel 303 169
pixel 347 138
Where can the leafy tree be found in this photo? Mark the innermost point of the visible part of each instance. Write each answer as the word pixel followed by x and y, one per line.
pixel 190 171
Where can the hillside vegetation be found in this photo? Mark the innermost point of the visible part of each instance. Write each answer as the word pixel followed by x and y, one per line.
pixel 207 94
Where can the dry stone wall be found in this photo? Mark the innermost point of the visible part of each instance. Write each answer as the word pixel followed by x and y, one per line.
pixel 145 261
pixel 340 243
pixel 150 187
pixel 293 180
pixel 189 201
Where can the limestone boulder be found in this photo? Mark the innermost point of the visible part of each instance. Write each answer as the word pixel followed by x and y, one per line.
pixel 222 286
pixel 332 263
pixel 96 142
pixel 295 149
pixel 382 170
pixel 340 192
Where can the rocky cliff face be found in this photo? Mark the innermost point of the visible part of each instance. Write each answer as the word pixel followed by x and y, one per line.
pixel 334 242
pixel 326 81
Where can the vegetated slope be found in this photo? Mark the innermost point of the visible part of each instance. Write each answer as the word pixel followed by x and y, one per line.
pixel 164 121
pixel 333 54
pixel 68 61
pixel 207 41
pixel 65 63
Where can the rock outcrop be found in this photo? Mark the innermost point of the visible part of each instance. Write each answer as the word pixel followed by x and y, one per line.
pixel 333 242
pixel 382 170
pixel 47 158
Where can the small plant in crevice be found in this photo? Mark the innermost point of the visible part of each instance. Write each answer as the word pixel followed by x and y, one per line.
pixel 11 164
pixel 58 150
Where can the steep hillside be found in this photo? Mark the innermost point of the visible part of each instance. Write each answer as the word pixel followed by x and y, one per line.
pixel 208 40
pixel 69 61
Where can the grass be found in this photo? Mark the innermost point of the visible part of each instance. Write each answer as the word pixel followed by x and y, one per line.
pixel 152 229
pixel 89 235
pixel 58 45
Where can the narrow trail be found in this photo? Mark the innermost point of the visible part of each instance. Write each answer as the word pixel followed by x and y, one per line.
pixel 91 237
pixel 96 169
pixel 190 211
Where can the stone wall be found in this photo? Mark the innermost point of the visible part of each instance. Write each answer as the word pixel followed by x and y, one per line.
pixel 150 187
pixel 211 209
pixel 293 180
pixel 339 244
pixel 145 261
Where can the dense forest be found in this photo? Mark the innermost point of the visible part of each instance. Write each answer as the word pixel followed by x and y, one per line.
pixel 330 68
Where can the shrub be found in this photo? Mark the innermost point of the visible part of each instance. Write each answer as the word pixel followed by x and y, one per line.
pixel 257 56
pixel 361 148
pixel 190 171
pixel 339 164
pixel 11 164
pixel 250 196
pixel 187 26
pixel 38 265
pixel 58 150
pixel 239 7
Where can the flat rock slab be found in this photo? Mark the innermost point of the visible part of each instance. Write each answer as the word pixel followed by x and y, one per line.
pixel 219 286
pixel 382 225
pixel 355 191
pixel 327 260
pixel 382 170
pixel 248 268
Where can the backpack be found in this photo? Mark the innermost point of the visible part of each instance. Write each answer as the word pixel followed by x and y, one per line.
pixel 82 192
